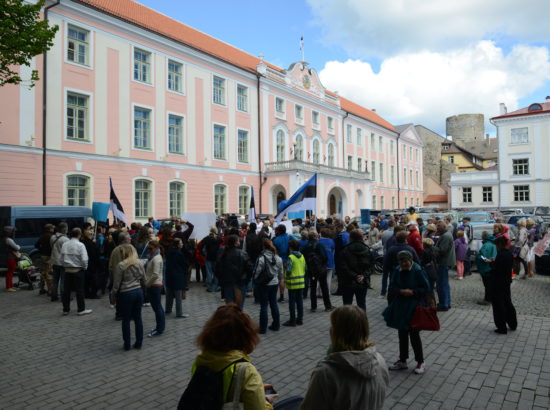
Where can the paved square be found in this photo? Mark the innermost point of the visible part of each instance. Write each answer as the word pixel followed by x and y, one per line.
pixel 49 361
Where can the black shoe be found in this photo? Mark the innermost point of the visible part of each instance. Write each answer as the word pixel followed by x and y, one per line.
pixel 289 324
pixel 513 328
pixel 442 309
pixel 118 318
pixel 336 293
pixel 54 299
pixel 501 331
pixel 313 310
pixel 330 309
pixel 299 322
pixel 127 347
pixel 42 291
pixel 137 345
pixel 275 329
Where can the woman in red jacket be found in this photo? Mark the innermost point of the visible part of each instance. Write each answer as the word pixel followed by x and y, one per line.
pixel 414 240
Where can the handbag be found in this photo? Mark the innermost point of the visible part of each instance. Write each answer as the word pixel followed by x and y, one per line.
pixel 236 404
pixel 425 317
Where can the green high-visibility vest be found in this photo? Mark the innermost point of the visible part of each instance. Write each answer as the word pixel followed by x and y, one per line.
pixel 295 279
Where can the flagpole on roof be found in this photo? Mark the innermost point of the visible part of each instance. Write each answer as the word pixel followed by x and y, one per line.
pixel 302 48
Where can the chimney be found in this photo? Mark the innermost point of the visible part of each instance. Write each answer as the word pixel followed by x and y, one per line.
pixel 503 109
pixel 548 98
pixel 373 109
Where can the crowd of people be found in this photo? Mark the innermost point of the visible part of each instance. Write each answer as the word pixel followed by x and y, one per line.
pixel 134 266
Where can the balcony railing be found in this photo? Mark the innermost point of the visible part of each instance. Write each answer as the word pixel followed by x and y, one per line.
pixel 297 165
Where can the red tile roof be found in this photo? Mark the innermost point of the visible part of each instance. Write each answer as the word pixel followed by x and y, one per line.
pixel 149 19
pixel 430 199
pixel 525 111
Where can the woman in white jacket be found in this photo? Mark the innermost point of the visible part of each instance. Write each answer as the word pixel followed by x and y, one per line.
pixel 153 284
pixel 354 376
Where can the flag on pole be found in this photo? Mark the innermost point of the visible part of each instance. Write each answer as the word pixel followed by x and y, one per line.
pixel 302 47
pixel 252 211
pixel 304 199
pixel 116 206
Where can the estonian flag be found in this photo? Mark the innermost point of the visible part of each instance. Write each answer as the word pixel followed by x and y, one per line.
pixel 116 206
pixel 252 210
pixel 304 199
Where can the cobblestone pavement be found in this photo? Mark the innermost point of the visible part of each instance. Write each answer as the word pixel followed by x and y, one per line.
pixel 51 361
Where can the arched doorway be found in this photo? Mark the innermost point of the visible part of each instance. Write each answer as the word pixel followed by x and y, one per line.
pixel 331 204
pixel 336 202
pixel 278 194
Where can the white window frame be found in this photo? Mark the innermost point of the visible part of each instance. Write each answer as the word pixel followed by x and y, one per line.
pixel 417 176
pixel 329 156
pixel 226 142
pixel 359 136
pixel 319 151
pixel 247 203
pixel 151 199
pixel 183 133
pixel 152 123
pixel 451 159
pixel 280 113
pixel 295 144
pixel 330 124
pixel 404 176
pixel 522 142
pixel 315 124
pixel 350 162
pixel 374 202
pixel 151 82
pixel 373 170
pixel 380 144
pixel 523 167
pixel 224 94
pixel 247 145
pixel 467 195
pixel 381 171
pixel 247 103
pixel 382 200
pixel 392 176
pixel 78 25
pixel 182 76
pixel 392 148
pixel 90 119
pixel 349 132
pixel 298 120
pixel 392 202
pixel 285 148
pixel 226 201
pixel 89 187
pixel 184 194
pixel 372 146
pixel 528 200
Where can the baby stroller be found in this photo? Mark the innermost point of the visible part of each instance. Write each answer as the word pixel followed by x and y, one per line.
pixel 26 272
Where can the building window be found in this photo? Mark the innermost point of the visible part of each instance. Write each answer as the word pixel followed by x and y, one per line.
pixel 359 164
pixel 315 118
pixel 242 98
pixel 411 182
pixel 350 162
pixel 280 146
pixel 244 200
pixel 417 202
pixel 467 195
pixel 142 66
pixel 279 105
pixel 521 193
pixel 330 155
pixel 374 202
pixel 299 148
pixel 242 146
pixel 391 147
pixel 359 137
pixel 78 190
pixel 406 202
pixel 219 142
pixel 405 177
pixel 299 112
pixel 373 170
pixel 417 180
pixel 392 202
pixel 330 123
pixel 404 152
pixel 392 174
pixel 176 198
pixel 78 45
pixel 410 153
pixel 381 173
pixel 142 198
pixel 175 134
pixel 487 194
pixel 316 149
pixel 142 128
pixel 218 90
pixel 416 155
pixel 451 159
pixel 380 144
pixel 520 166
pixel 175 79
pixel 77 116
pixel 445 147
pixel 220 200
pixel 382 202
pixel 520 135
pixel 348 133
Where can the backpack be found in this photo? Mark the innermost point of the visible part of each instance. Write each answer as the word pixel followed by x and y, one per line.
pixel 314 263
pixel 205 389
pixel 265 276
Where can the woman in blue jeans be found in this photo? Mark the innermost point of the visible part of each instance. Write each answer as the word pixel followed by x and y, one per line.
pixel 154 284
pixel 268 293
pixel 127 279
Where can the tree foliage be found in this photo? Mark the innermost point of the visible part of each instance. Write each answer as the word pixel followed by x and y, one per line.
pixel 23 35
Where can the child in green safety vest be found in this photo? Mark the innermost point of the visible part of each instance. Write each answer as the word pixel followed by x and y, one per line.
pixel 295 283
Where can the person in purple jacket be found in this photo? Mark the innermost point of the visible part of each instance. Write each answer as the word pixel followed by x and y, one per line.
pixel 461 250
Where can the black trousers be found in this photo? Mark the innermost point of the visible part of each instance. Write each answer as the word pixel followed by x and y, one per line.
pixel 517 266
pixel 73 282
pixel 504 312
pixel 416 343
pixel 322 279
pixel 487 285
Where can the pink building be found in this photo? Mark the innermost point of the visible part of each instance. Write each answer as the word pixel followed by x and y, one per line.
pixel 183 122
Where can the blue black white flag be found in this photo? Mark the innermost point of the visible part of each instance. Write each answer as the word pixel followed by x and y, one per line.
pixel 252 211
pixel 116 206
pixel 304 199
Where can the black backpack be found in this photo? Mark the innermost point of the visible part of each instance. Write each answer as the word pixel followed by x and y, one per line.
pixel 205 389
pixel 265 276
pixel 314 262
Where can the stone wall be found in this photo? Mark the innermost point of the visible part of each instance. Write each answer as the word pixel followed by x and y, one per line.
pixel 466 127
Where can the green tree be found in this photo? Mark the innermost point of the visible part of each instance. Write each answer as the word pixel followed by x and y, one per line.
pixel 22 36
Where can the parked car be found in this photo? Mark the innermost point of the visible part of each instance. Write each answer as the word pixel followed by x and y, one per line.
pixel 478 218
pixel 542 225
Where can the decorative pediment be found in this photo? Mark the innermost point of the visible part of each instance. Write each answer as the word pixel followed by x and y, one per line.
pixel 300 75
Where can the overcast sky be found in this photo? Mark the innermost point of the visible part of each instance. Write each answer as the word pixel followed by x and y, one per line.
pixel 416 61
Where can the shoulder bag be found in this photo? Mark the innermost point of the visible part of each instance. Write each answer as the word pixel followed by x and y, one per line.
pixel 236 404
pixel 425 317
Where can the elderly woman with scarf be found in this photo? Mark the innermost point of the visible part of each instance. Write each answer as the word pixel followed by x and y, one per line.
pixel 153 284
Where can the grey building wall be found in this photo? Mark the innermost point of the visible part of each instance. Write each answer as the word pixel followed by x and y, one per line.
pixel 466 127
pixel 433 166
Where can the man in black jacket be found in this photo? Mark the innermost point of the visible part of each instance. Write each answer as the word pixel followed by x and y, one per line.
pixel 234 271
pixel 45 248
pixel 316 266
pixel 504 312
pixel 210 247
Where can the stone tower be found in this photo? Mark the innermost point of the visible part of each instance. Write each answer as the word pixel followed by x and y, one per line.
pixel 466 127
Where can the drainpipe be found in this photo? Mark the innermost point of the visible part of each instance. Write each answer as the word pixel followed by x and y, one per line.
pixel 498 167
pixel 259 143
pixel 344 140
pixel 398 173
pixel 44 109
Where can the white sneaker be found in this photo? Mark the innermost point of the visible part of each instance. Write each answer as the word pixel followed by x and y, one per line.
pixel 184 315
pixel 84 312
pixel 398 365
pixel 419 369
pixel 146 304
pixel 111 306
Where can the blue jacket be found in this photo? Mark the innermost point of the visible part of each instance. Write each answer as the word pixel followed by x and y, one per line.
pixel 281 244
pixel 328 244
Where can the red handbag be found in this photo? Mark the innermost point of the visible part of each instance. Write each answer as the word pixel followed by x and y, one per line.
pixel 425 317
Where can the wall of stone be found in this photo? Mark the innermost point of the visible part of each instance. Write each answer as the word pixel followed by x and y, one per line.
pixel 466 127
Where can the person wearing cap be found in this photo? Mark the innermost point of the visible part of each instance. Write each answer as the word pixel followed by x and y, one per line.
pixel 412 216
pixel 429 232
pixel 409 285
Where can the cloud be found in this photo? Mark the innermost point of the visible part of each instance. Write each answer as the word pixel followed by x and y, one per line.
pixel 426 87
pixel 367 28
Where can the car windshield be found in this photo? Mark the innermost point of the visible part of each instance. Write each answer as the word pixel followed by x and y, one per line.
pixel 477 217
pixel 543 210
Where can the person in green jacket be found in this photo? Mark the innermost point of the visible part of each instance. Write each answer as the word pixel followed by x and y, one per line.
pixel 408 288
pixel 484 259
pixel 295 283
